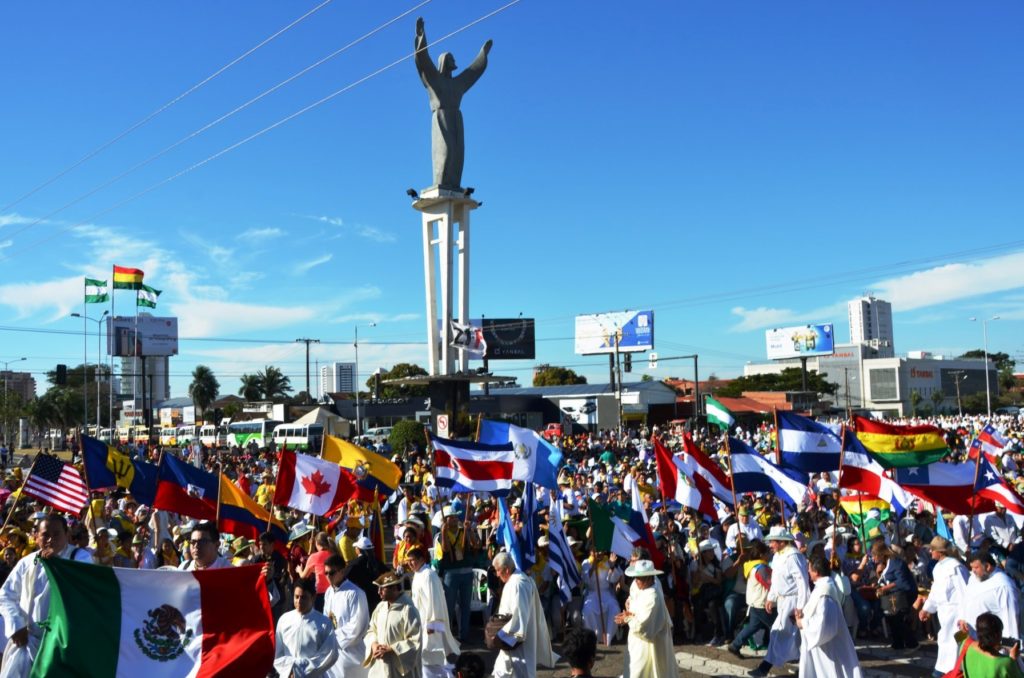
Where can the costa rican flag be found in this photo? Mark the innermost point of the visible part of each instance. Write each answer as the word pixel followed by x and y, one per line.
pixel 473 467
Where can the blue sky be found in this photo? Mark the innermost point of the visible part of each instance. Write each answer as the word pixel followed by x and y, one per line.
pixel 734 166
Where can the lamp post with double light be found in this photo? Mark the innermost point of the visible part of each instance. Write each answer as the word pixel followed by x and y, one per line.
pixel 99 357
pixel 984 334
pixel 355 379
pixel 7 374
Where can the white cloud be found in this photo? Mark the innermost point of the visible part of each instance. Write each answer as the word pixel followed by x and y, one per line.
pixel 951 282
pixel 361 230
pixel 763 317
pixel 214 318
pixel 305 266
pixel 61 296
pixel 14 219
pixel 260 234
pixel 5 244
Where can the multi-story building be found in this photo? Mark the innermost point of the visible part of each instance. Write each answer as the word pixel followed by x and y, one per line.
pixel 337 378
pixel 871 324
pixel 22 383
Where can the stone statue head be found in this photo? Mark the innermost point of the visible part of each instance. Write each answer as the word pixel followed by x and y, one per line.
pixel 446 63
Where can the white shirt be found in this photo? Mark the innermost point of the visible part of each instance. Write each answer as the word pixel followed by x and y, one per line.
pixel 305 644
pixel 349 613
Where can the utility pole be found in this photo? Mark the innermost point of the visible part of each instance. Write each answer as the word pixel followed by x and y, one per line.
pixel 307 342
pixel 957 376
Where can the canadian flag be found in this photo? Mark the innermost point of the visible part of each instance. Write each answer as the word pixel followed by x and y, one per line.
pixel 312 485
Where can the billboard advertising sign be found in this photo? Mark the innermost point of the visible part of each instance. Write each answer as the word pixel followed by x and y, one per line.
pixel 145 336
pixel 597 333
pixel 801 341
pixel 509 338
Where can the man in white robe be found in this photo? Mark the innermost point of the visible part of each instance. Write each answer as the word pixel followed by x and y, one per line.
pixel 393 639
pixel 527 643
pixel 305 644
pixel 437 641
pixel 990 590
pixel 826 648
pixel 25 595
pixel 345 605
pixel 788 592
pixel 650 652
pixel 949 585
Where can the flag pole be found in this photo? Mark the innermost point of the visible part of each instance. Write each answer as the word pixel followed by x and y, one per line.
pixel 732 486
pixel 220 486
pixel 479 419
pixel 839 489
pixel 21 492
pixel 970 526
pixel 597 572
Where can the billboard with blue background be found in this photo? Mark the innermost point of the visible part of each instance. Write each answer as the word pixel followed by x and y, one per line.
pixel 801 341
pixel 597 333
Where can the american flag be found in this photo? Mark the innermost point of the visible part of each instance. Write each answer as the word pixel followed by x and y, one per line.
pixel 58 484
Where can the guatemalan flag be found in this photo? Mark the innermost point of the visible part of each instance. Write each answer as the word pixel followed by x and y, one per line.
pixel 806 445
pixel 537 460
pixel 464 466
pixel 753 473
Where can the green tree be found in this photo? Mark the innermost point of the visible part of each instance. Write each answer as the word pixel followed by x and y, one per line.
pixel 204 388
pixel 915 401
pixel 1004 364
pixel 938 397
pixel 646 377
pixel 789 379
pixel 975 403
pixel 12 408
pixel 553 375
pixel 406 435
pixel 274 384
pixel 251 388
pixel 401 371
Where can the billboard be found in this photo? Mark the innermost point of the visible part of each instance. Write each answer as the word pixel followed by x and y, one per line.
pixel 801 341
pixel 509 338
pixel 596 333
pixel 144 336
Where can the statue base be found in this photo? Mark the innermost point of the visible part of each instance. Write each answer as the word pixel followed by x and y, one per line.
pixel 434 196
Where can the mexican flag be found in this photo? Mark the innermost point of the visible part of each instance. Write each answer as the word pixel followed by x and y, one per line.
pixel 107 621
pixel 717 414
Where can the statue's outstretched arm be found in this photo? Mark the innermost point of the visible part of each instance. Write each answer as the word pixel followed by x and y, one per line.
pixel 468 77
pixel 427 70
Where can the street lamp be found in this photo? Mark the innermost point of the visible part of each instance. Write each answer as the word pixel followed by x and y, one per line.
pixel 7 364
pixel 984 334
pixel 355 378
pixel 99 351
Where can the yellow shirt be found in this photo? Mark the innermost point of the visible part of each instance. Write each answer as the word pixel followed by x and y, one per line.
pixel 347 547
pixel 265 494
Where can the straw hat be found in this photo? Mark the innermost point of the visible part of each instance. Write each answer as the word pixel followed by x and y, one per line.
pixel 779 533
pixel 390 578
pixel 642 568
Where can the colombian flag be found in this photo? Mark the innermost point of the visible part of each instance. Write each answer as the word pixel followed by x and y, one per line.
pixel 370 469
pixel 901 446
pixel 241 516
pixel 127 278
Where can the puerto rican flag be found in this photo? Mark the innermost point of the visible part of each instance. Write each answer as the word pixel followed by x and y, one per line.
pixel 991 442
pixel 464 466
pixel 990 485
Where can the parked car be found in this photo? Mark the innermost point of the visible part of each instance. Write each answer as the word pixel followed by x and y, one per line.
pixel 551 431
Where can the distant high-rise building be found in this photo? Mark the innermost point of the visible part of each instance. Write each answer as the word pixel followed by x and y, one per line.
pixel 22 383
pixel 158 384
pixel 871 323
pixel 337 378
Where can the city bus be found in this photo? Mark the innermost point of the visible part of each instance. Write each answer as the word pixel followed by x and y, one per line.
pixel 106 435
pixel 241 433
pixel 208 436
pixel 186 434
pixel 169 436
pixel 124 435
pixel 140 433
pixel 306 437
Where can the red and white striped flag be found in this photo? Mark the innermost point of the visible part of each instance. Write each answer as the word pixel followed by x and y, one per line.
pixel 473 467
pixel 57 484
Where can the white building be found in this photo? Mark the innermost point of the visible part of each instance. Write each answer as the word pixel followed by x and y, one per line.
pixel 158 384
pixel 337 378
pixel 871 324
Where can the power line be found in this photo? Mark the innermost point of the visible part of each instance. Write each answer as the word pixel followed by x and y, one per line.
pixel 214 123
pixel 161 109
pixel 255 135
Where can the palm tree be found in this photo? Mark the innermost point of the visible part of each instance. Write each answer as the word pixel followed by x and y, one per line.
pixel 273 383
pixel 938 397
pixel 251 388
pixel 204 388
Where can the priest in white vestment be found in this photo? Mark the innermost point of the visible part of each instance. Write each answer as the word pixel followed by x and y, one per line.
pixel 788 592
pixel 949 585
pixel 25 595
pixel 826 648
pixel 393 640
pixel 437 641
pixel 527 643
pixel 650 652
pixel 305 645
pixel 990 590
pixel 600 604
pixel 345 605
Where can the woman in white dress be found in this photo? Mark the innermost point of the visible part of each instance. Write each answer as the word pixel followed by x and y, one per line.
pixel 600 606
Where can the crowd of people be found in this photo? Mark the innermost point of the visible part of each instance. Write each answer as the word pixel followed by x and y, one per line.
pixel 762 579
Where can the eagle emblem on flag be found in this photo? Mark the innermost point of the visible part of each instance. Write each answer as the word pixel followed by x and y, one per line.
pixel 163 635
pixel 361 470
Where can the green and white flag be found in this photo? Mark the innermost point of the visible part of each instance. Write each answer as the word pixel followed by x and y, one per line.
pixel 717 414
pixel 147 296
pixel 96 291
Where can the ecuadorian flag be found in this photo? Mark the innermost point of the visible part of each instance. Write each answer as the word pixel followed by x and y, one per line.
pixel 901 446
pixel 106 467
pixel 370 469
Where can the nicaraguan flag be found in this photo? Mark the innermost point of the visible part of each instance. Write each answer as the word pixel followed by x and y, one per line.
pixel 753 473
pixel 806 445
pixel 536 460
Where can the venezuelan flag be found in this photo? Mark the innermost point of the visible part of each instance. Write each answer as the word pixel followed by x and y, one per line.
pixel 901 446
pixel 106 467
pixel 370 469
pixel 241 516
pixel 127 278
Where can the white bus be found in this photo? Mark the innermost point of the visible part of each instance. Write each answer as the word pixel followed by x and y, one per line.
pixel 208 436
pixel 241 433
pixel 307 437
pixel 168 436
pixel 186 434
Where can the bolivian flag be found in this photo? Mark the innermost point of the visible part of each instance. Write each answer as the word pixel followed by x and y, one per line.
pixel 127 278
pixel 900 446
